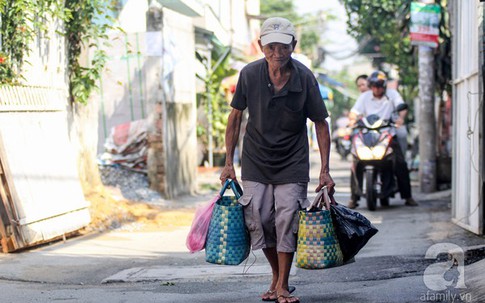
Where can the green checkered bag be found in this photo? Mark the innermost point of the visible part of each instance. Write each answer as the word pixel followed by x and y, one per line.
pixel 228 239
pixel 318 245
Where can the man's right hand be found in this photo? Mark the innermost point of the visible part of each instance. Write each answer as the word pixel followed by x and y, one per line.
pixel 228 172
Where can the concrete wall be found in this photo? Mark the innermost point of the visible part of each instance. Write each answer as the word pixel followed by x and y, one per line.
pixel 229 22
pixel 178 83
pixel 150 75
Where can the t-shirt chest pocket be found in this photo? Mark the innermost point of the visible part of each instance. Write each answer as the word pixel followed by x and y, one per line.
pixel 290 116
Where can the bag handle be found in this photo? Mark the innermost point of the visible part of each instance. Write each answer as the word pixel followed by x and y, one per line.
pixel 326 197
pixel 236 188
pixel 322 196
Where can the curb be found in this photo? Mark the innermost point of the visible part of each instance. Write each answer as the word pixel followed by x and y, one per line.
pixel 470 254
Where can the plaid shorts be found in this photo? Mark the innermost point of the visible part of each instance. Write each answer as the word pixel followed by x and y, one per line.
pixel 271 213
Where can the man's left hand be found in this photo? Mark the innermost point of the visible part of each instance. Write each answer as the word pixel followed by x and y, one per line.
pixel 399 122
pixel 326 180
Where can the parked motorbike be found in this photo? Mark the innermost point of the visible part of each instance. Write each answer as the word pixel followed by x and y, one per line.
pixel 372 155
pixel 343 142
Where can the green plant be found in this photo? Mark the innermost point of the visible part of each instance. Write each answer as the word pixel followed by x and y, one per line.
pixel 21 22
pixel 218 71
pixel 386 24
pixel 85 22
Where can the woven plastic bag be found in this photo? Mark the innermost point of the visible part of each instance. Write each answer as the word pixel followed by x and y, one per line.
pixel 228 238
pixel 200 226
pixel 318 245
pixel 353 230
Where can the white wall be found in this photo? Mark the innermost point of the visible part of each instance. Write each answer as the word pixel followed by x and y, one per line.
pixel 228 20
pixel 132 17
pixel 467 208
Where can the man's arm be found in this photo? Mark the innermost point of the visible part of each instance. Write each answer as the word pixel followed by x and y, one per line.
pixel 356 112
pixel 397 100
pixel 400 120
pixel 323 139
pixel 232 135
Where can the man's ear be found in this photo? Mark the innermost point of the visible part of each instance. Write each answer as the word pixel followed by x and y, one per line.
pixel 294 43
pixel 260 45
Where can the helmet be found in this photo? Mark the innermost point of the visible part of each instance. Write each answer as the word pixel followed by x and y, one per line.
pixel 377 79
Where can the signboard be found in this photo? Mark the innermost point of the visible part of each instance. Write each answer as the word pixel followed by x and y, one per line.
pixel 425 20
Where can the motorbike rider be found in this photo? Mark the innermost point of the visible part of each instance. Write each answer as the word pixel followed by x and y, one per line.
pixel 361 82
pixel 382 102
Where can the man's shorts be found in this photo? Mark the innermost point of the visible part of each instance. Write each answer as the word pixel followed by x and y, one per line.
pixel 271 213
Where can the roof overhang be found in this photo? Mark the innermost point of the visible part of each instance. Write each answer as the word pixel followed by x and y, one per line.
pixel 190 8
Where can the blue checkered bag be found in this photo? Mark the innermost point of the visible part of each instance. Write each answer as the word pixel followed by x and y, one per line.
pixel 228 239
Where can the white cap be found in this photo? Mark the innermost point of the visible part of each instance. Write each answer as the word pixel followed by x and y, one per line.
pixel 277 30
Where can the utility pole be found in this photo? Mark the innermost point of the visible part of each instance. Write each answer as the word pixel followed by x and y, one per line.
pixel 427 123
pixel 424 32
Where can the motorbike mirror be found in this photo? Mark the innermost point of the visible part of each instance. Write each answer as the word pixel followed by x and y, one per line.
pixel 401 107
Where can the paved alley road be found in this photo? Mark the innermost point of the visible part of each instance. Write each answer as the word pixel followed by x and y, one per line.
pixel 121 266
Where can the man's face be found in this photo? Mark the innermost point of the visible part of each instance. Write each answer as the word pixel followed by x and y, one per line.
pixel 378 91
pixel 362 85
pixel 278 54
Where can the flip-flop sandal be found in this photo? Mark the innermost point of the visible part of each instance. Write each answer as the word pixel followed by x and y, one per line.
pixel 286 299
pixel 267 296
pixel 269 293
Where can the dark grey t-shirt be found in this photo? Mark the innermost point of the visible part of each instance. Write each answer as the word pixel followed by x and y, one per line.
pixel 276 144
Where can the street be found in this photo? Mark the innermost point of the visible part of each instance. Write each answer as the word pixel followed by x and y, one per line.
pixel 131 266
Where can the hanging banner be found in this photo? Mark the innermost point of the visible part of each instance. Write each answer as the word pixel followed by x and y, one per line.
pixel 425 21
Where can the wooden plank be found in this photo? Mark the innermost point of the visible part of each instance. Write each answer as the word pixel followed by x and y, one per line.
pixel 7 241
pixel 13 236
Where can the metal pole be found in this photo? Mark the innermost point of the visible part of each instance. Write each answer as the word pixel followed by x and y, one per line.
pixel 209 106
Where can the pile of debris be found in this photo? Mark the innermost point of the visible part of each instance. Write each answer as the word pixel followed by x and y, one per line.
pixel 123 165
pixel 127 146
pixel 133 185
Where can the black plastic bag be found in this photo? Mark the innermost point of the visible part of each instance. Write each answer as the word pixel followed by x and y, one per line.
pixel 353 230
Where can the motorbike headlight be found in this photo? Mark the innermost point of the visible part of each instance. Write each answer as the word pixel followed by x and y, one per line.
pixel 363 152
pixel 372 153
pixel 379 151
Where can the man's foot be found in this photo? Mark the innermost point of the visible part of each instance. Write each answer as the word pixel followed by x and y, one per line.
pixel 352 204
pixel 270 295
pixel 288 299
pixel 411 202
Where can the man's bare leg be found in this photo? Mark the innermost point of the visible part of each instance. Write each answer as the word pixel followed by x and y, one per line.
pixel 284 262
pixel 272 257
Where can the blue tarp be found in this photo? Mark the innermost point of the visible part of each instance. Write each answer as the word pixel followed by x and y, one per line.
pixel 325 92
pixel 327 80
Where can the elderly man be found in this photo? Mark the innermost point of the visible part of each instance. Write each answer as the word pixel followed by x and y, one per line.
pixel 280 94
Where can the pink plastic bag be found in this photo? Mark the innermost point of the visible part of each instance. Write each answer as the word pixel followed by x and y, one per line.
pixel 200 226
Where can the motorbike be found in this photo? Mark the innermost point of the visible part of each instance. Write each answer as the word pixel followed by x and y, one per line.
pixel 343 142
pixel 371 150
